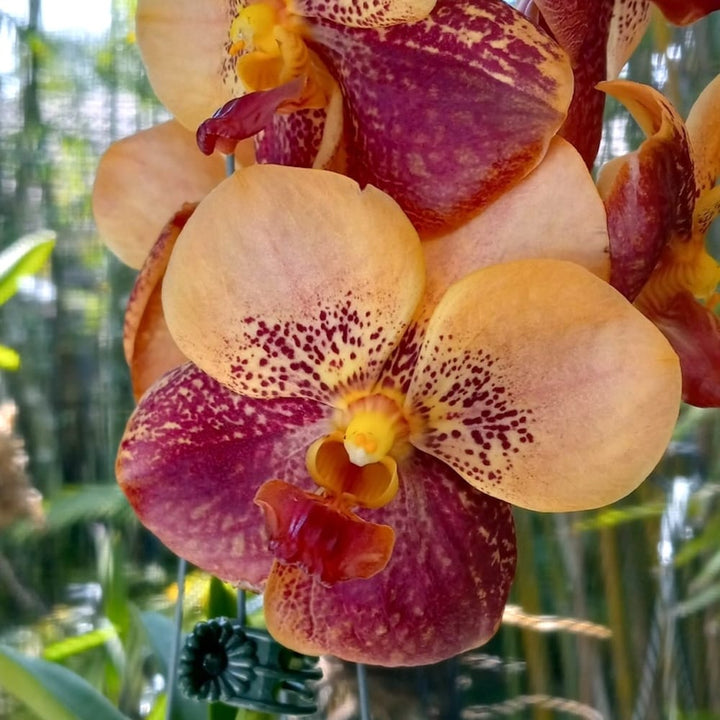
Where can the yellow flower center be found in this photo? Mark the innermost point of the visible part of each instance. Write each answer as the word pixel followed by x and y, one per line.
pixel 357 463
pixel 369 437
pixel 266 37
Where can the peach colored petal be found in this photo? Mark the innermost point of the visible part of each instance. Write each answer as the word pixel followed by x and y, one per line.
pixel 555 212
pixel 541 385
pixel 707 209
pixel 184 47
pixel 297 294
pixel 142 180
pixel 630 20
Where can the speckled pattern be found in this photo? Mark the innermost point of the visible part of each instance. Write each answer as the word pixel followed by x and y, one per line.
pixel 194 455
pixel 471 419
pixel 447 113
pixel 443 591
pixel 317 360
pixel 291 139
pixel 364 13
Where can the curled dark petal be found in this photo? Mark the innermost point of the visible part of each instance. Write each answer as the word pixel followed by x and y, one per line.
pixel 243 117
pixel 222 660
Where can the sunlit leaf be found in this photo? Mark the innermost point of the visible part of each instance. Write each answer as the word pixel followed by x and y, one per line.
pixel 77 504
pixel 9 358
pixel 708 539
pixel 709 572
pixel 52 691
pixel 78 644
pixel 699 601
pixel 25 256
pixel 612 517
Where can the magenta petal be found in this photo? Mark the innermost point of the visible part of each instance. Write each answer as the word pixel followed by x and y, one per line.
pixel 694 332
pixel 443 591
pixel 192 458
pixel 243 117
pixel 447 113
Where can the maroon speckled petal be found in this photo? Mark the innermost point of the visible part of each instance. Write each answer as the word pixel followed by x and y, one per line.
pixel 694 332
pixel 582 29
pixel 192 458
pixel 599 37
pixel 447 113
pixel 291 139
pixel 442 592
pixel 242 117
pixel 684 12
pixel 649 194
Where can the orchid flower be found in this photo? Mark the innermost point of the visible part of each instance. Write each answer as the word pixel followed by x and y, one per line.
pixel 443 105
pixel 599 37
pixel 661 200
pixel 380 429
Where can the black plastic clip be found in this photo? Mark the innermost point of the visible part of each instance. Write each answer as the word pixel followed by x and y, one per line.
pixel 224 661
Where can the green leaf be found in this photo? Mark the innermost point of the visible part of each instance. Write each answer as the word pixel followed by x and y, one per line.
pixel 222 599
pixel 51 691
pixel 699 601
pixel 161 634
pixel 220 711
pixel 78 644
pixel 9 358
pixel 612 517
pixel 78 504
pixel 24 257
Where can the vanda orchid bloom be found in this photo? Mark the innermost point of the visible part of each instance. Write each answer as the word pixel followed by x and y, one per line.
pixel 443 105
pixel 661 200
pixel 381 432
